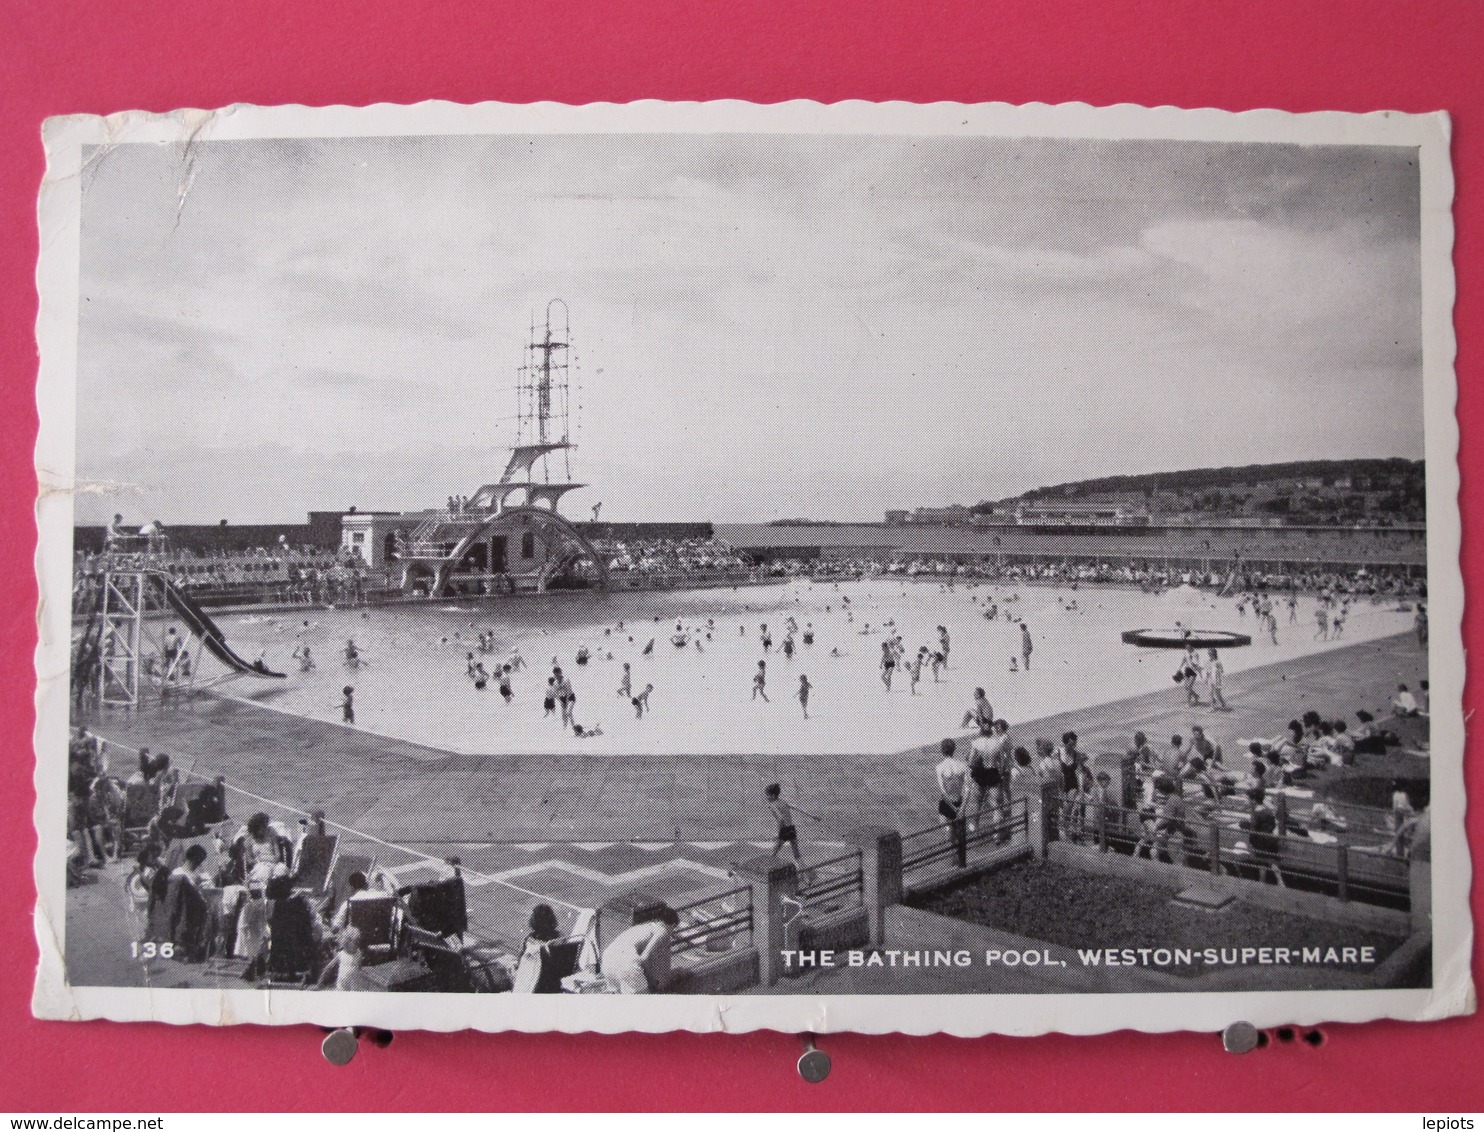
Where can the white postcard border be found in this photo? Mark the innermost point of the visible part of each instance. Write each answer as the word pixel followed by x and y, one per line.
pixel 967 1015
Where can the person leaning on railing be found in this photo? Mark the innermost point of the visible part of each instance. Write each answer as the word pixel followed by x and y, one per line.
pixel 637 961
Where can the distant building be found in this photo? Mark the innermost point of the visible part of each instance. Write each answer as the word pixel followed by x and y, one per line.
pixel 1080 514
pixel 372 534
pixel 956 513
pixel 898 518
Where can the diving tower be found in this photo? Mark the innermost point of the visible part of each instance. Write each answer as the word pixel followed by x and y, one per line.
pixel 469 546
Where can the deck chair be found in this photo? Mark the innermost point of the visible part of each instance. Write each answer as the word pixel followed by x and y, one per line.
pixel 455 971
pixel 337 889
pixel 315 863
pixel 560 961
pixel 375 917
pixel 291 944
pixel 141 804
pixel 189 916
pixel 439 906
pixel 205 804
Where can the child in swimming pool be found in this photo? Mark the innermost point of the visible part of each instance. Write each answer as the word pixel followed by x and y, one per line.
pixel 760 681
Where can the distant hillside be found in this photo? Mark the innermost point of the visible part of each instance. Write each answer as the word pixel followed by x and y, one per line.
pixel 1303 491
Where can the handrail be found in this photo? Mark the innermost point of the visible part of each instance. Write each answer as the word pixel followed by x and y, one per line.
pixel 1372 818
pixel 1224 848
pixel 998 829
pixel 702 930
pixel 835 881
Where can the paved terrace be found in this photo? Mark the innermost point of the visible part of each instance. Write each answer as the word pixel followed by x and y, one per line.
pixel 404 793
pixel 573 828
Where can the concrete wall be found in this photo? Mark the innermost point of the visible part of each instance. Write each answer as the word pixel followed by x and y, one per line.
pixel 1218 543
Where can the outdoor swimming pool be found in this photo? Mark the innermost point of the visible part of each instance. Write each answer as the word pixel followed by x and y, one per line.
pixel 413 683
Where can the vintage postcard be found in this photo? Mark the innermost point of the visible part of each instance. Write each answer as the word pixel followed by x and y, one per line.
pixel 716 566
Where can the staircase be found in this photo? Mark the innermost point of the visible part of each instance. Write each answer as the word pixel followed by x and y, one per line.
pixel 438 537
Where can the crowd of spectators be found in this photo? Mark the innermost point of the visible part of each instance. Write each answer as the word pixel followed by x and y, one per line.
pixel 671 556
pixel 282 573
pixel 266 901
pixel 1368 581
pixel 1162 800
pixel 260 898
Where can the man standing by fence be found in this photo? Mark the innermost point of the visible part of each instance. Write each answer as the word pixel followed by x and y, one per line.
pixel 953 798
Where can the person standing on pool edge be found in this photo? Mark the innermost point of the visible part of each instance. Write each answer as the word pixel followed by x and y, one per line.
pixel 943 643
pixel 1215 674
pixel 348 705
pixel 952 774
pixel 783 814
pixel 1025 647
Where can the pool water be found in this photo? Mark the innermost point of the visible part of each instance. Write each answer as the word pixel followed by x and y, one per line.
pixel 412 682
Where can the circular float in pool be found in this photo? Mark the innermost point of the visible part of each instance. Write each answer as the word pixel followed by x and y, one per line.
pixel 1185 638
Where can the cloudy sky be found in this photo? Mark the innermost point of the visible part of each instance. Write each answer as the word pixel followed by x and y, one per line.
pixel 765 326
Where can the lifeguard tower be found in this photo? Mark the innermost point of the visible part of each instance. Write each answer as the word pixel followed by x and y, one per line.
pixel 509 535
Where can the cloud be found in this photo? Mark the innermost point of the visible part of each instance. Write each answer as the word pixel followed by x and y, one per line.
pixel 784 325
pixel 1337 297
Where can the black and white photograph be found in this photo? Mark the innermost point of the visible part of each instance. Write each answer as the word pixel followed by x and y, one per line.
pixel 868 567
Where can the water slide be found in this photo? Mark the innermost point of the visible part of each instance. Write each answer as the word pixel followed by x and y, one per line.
pixel 201 624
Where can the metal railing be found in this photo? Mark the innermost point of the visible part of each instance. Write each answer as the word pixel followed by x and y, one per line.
pixel 1288 801
pixel 713 925
pixel 998 832
pixel 834 885
pixel 676 579
pixel 1215 842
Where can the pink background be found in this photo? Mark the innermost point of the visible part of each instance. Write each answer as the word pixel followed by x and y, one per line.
pixel 73 57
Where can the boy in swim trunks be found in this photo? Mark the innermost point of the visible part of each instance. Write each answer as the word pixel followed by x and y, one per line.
pixel 788 832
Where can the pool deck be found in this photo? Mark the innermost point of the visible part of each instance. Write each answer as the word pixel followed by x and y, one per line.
pixel 579 830
pixel 404 793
